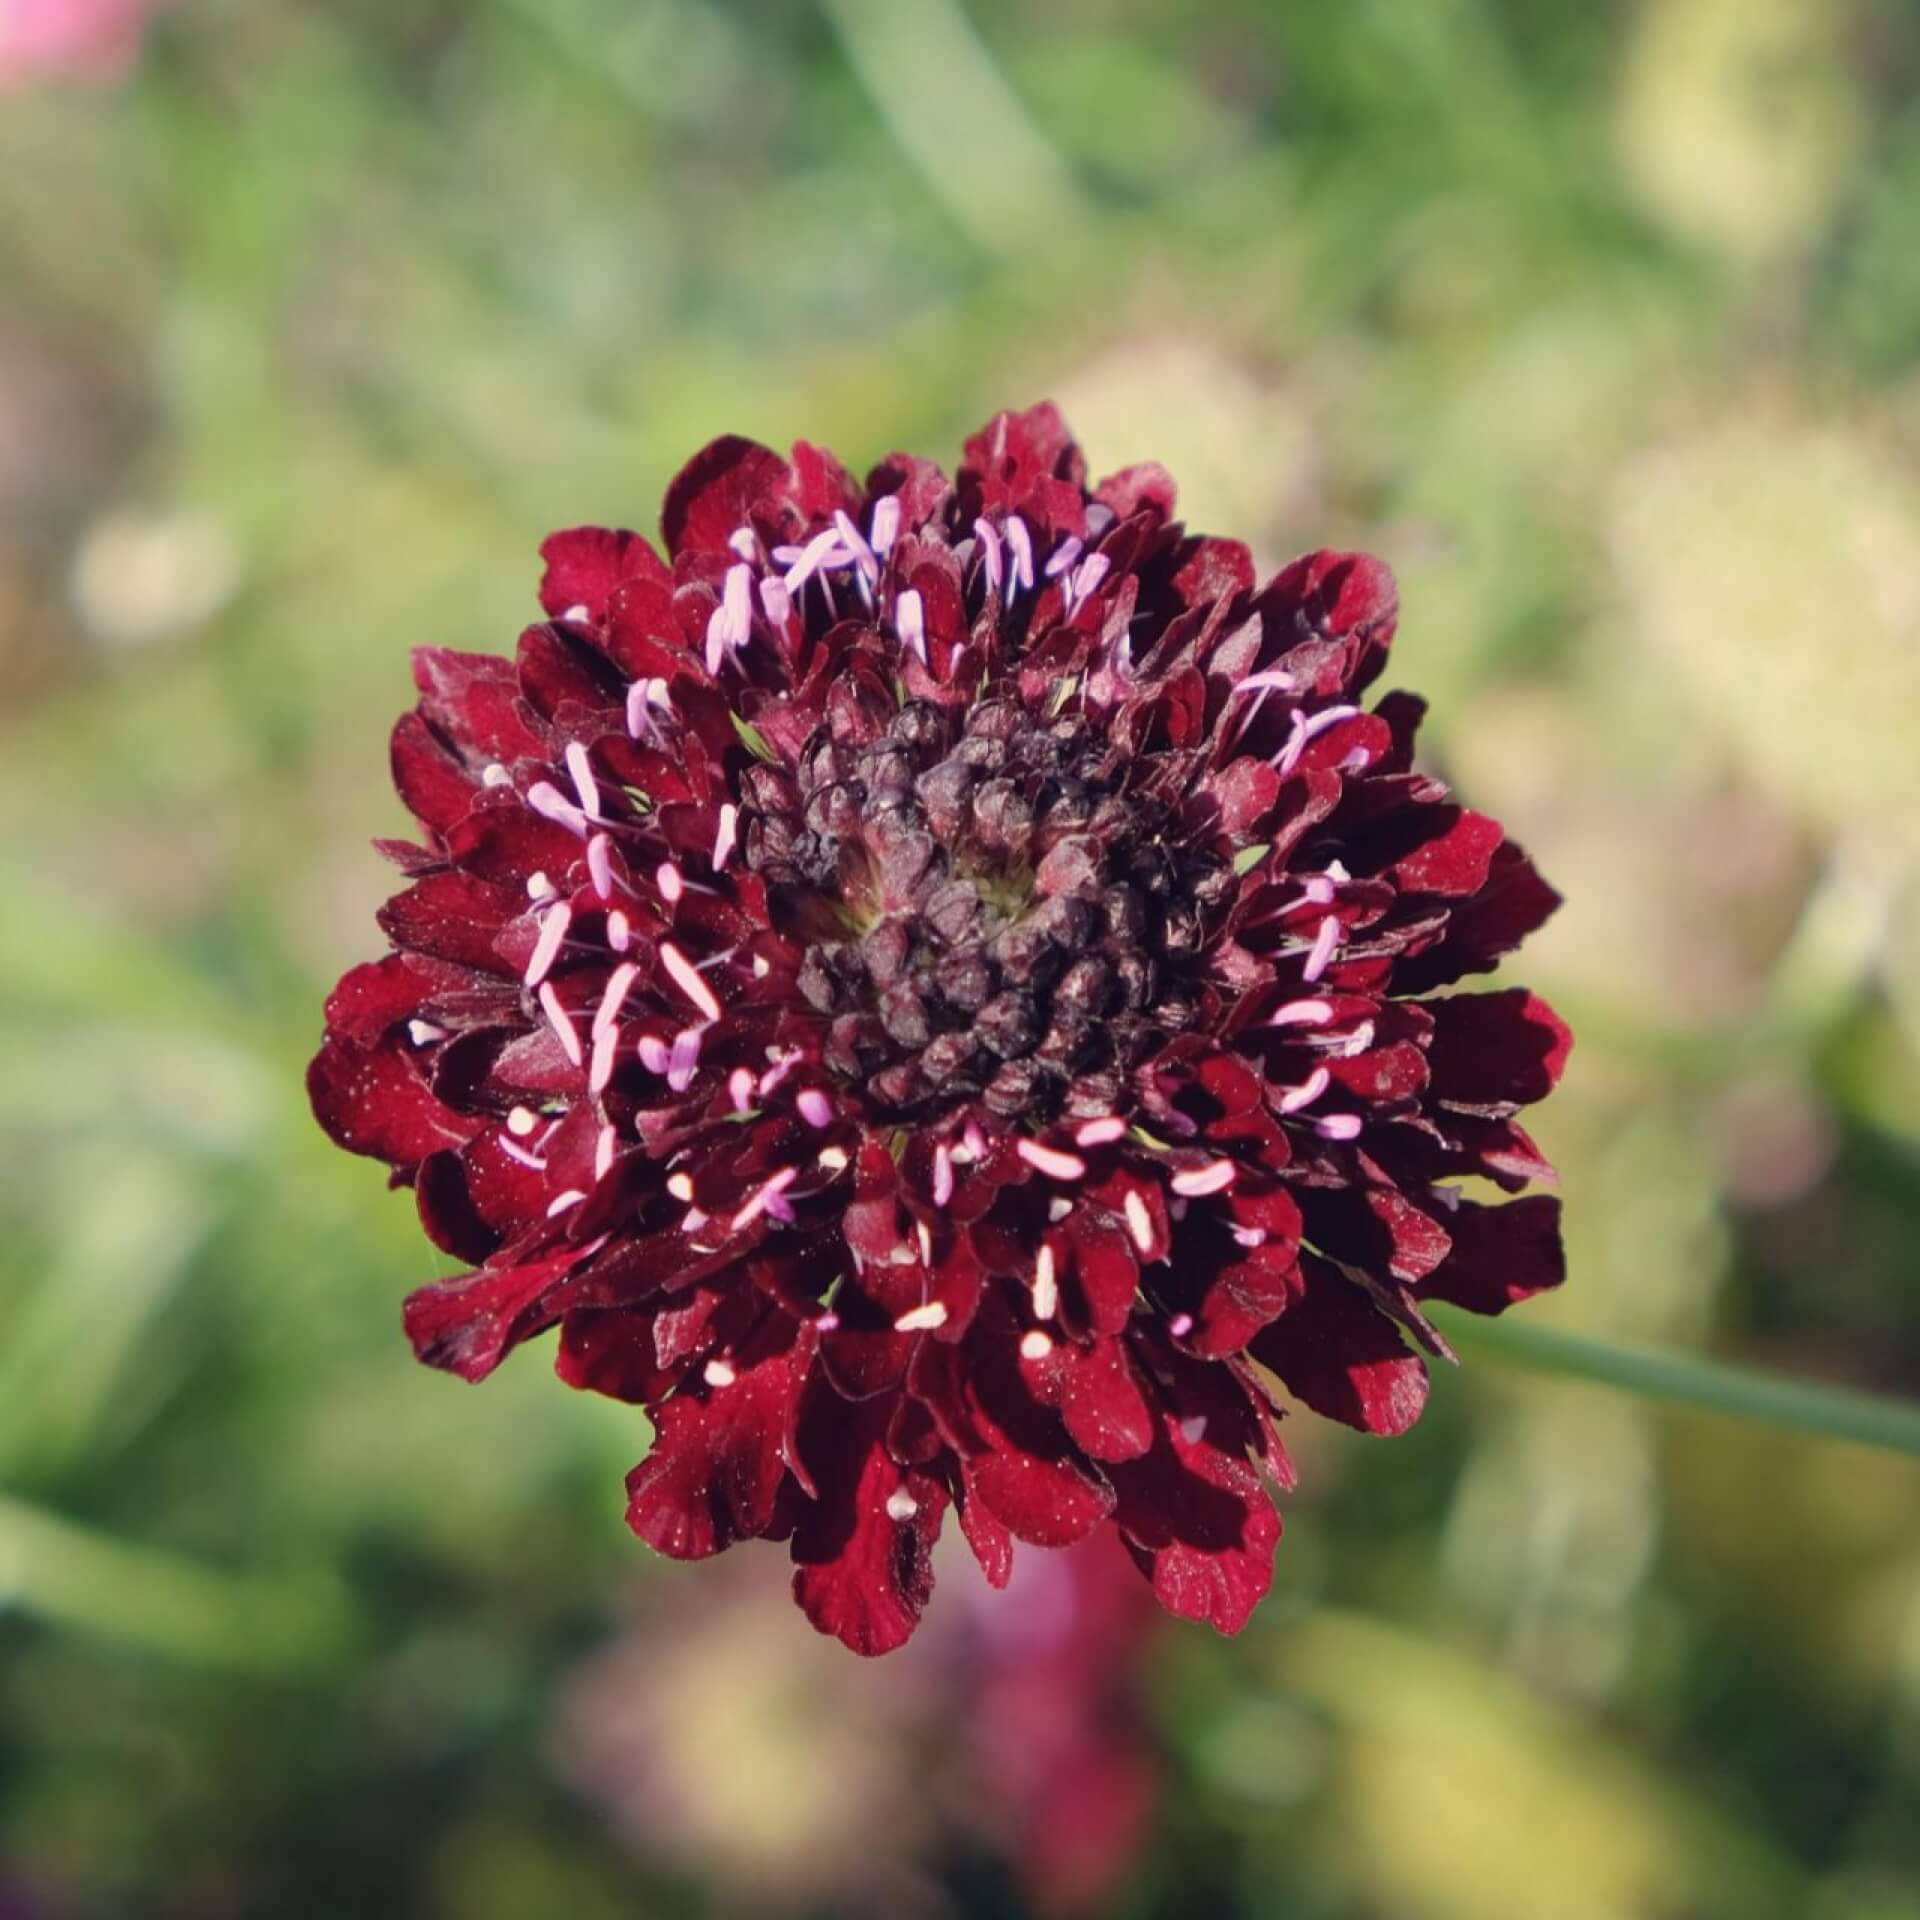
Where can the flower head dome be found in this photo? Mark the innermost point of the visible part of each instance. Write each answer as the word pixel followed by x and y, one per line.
pixel 932 989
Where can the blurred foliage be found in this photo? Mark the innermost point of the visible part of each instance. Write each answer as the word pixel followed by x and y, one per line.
pixel 1600 320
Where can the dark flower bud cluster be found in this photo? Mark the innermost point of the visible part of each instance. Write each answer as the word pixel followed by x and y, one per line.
pixel 936 988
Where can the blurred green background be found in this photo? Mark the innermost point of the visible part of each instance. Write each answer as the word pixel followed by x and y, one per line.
pixel 1600 320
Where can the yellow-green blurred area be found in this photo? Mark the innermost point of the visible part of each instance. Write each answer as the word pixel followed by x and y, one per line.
pixel 1601 321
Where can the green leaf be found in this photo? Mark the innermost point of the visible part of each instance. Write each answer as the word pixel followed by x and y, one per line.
pixel 753 739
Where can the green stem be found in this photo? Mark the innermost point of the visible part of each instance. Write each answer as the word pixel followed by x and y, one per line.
pixel 1712 1386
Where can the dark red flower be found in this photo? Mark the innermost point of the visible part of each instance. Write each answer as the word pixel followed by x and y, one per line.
pixel 932 989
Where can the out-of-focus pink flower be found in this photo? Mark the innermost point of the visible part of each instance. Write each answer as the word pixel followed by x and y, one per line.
pixel 96 40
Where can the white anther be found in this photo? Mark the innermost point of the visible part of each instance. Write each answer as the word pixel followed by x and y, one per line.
pixel 910 622
pixel 1046 1288
pixel 561 1023
pixel 1307 1092
pixel 584 784
pixel 546 949
pixel 725 836
pixel 763 1197
pixel 942 1174
pixel 1102 1132
pixel 1139 1221
pixel 922 1319
pixel 522 1121
pixel 1035 1345
pixel 423 1032
pixel 885 525
pixel 666 877
pixel 1321 954
pixel 834 1159
pixel 901 1505
pixel 539 887
pixel 1301 1013
pixel 1052 1161
pixel 680 1186
pixel 603 1149
pixel 716 1373
pixel 1214 1177
pixel 495 775
pixel 563 1201
pixel 683 974
pixel 551 804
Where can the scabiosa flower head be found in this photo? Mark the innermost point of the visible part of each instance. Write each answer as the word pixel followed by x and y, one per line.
pixel 930 987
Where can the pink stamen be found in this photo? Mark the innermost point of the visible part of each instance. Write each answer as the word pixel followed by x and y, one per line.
pixel 1086 580
pixel 826 1322
pixel 886 523
pixel 815 1108
pixel 942 1175
pixel 776 1073
pixel 1020 545
pixel 1250 1236
pixel 546 949
pixel 1180 1325
pixel 584 784
pixel 990 563
pixel 1304 730
pixel 740 1089
pixel 1216 1176
pixel 600 865
pixel 564 1201
pixel 726 836
pixel 1339 1126
pixel 606 1041
pixel 613 997
pixel 667 878
pixel 855 542
pixel 514 1151
pixel 1322 951
pixel 1102 1132
pixel 654 1053
pixel 561 1024
pixel 684 1060
pixel 1051 1161
pixel 1064 555
pixel 547 800
pixel 811 558
pixel 763 1197
pixel 737 600
pixel 775 601
pixel 745 543
pixel 603 1152
pixel 619 932
pixel 1301 1013
pixel 1319 892
pixel 1307 1092
pixel 910 622
pixel 684 976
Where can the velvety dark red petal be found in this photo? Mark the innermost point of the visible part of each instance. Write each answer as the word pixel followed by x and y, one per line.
pixel 1514 903
pixel 863 1550
pixel 427 775
pixel 1194 1513
pixel 466 1326
pixel 1026 463
pixel 374 1100
pixel 1493 1052
pixel 1500 1254
pixel 1101 1402
pixel 586 564
pixel 452 916
pixel 474 699
pixel 1332 617
pixel 1336 1352
pixel 612 1352
pixel 1455 862
pixel 719 490
pixel 721 1447
pixel 375 996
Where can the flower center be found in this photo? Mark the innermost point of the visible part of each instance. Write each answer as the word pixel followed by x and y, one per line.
pixel 987 912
